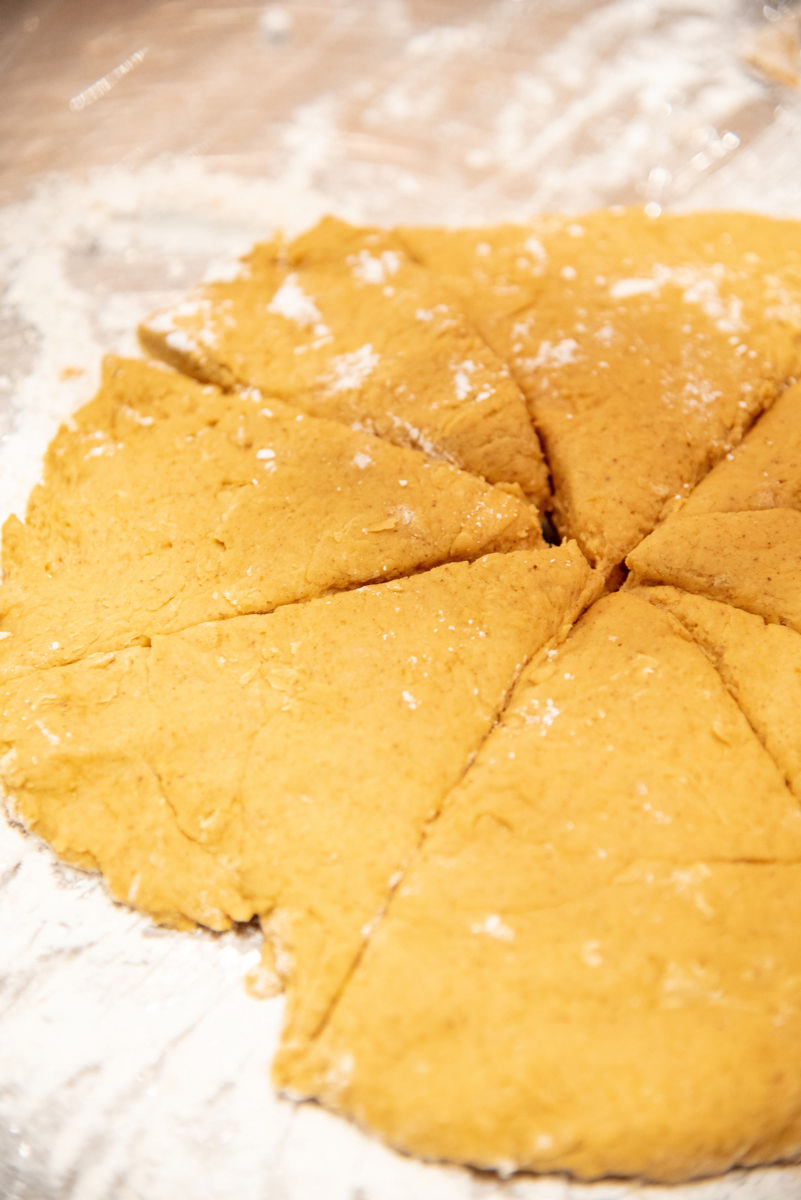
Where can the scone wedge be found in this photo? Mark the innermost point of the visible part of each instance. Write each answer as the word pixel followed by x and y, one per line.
pixel 345 325
pixel 751 560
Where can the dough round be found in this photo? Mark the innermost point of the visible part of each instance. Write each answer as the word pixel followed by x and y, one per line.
pixel 282 640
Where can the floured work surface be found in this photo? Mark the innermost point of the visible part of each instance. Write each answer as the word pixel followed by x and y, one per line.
pixel 284 642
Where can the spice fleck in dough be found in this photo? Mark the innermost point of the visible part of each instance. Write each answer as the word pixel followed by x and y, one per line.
pixel 534 890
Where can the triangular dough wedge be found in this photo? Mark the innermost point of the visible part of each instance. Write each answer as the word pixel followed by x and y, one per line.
pixel 765 469
pixel 593 964
pixel 749 559
pixel 645 347
pixel 760 663
pixel 282 766
pixel 166 504
pixel 345 325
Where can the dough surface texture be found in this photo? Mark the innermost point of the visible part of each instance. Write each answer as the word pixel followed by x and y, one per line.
pixel 282 641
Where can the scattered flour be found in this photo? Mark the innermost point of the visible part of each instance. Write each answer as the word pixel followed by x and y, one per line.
pixel 350 370
pixel 291 301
